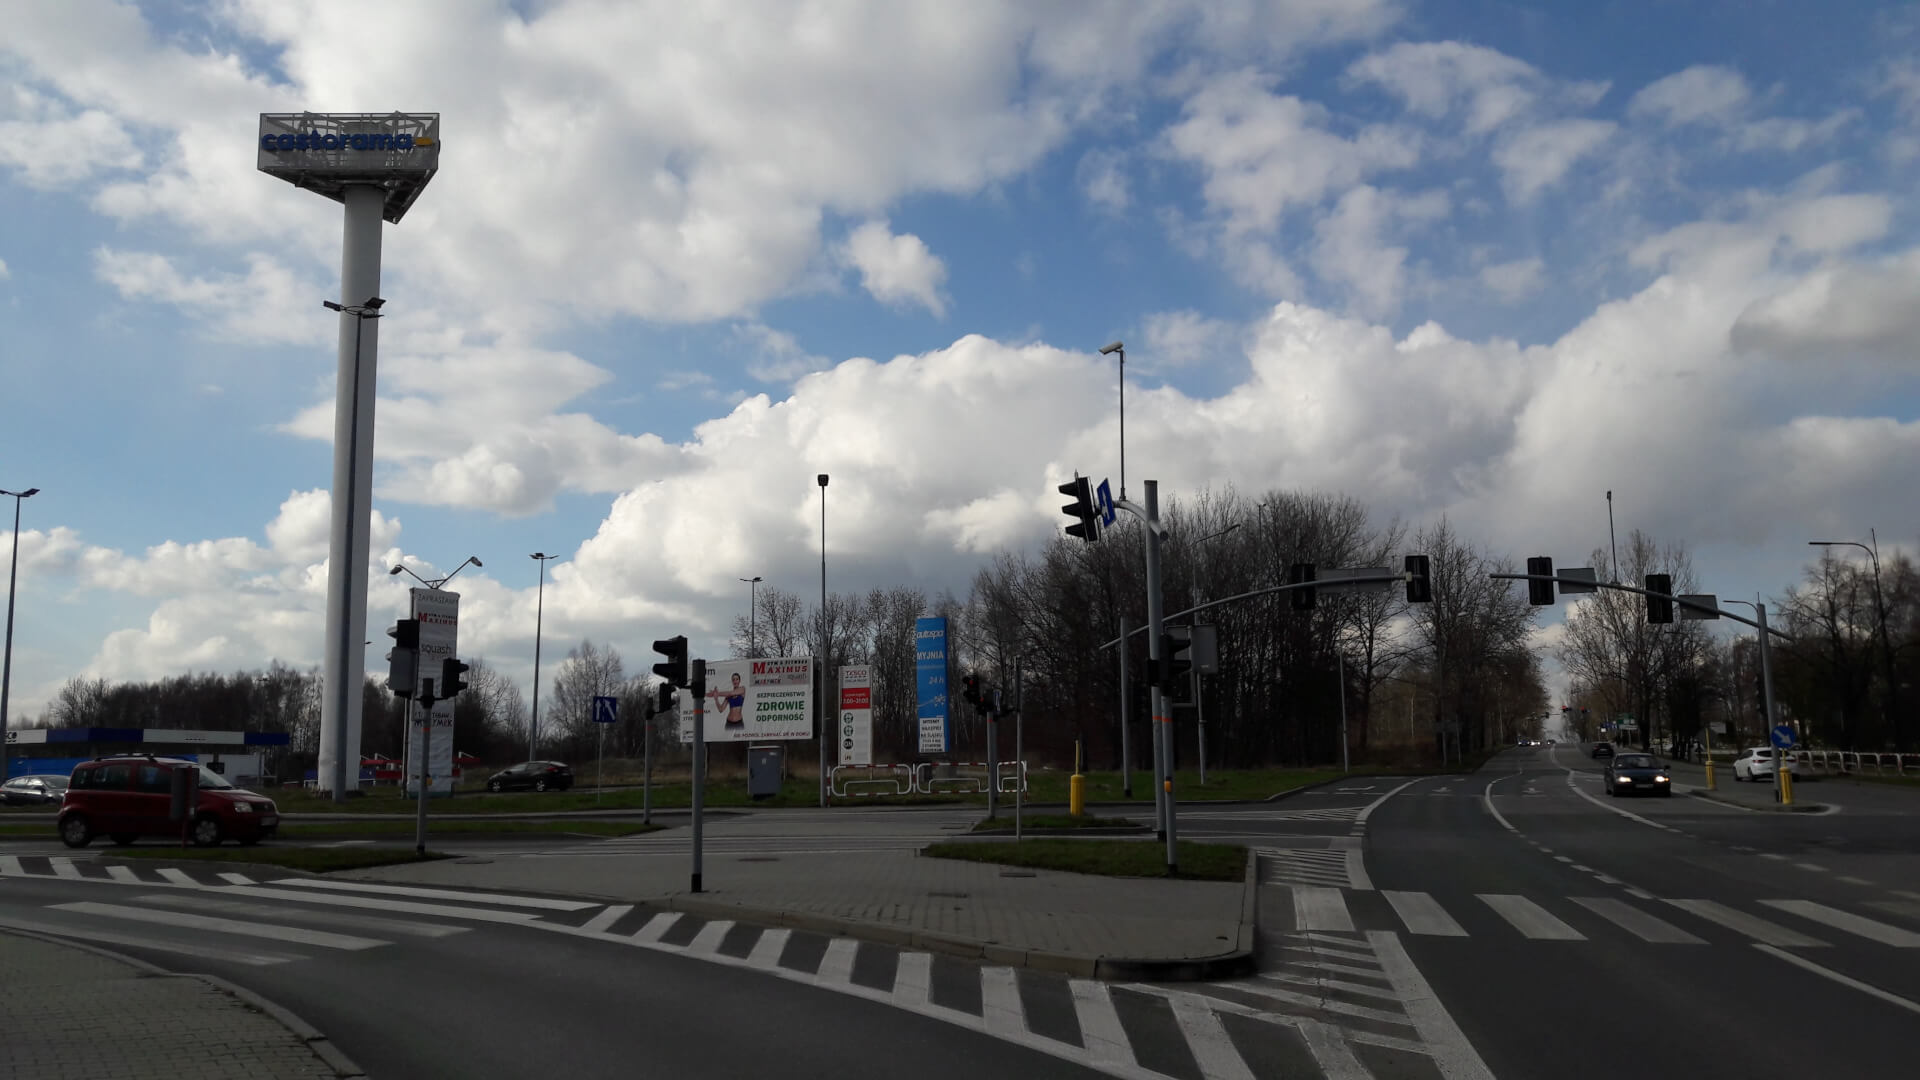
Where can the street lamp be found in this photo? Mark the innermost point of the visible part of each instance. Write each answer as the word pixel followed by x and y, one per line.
pixel 753 614
pixel 436 583
pixel 351 581
pixel 1120 347
pixel 13 576
pixel 539 613
pixel 827 654
pixel 1880 611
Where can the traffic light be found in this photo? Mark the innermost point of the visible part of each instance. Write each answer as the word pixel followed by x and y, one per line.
pixel 663 702
pixel 1086 524
pixel 970 691
pixel 674 667
pixel 1176 663
pixel 1659 598
pixel 453 677
pixel 1419 580
pixel 1539 593
pixel 1301 573
pixel 403 660
pixel 696 672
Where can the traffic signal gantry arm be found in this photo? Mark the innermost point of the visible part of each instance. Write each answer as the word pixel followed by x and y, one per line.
pixel 1584 584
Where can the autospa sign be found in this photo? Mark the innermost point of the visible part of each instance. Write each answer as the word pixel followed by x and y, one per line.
pixel 331 152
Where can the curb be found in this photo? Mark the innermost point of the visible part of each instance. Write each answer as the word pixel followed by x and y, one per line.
pixel 1183 969
pixel 316 1042
pixel 1796 808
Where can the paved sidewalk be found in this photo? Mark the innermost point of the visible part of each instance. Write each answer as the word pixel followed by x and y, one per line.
pixel 1810 793
pixel 1111 927
pixel 71 1013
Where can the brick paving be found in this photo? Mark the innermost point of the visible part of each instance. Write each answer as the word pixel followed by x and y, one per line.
pixel 71 1014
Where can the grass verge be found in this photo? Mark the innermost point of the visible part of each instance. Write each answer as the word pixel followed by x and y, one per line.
pixel 316 860
pixel 1896 781
pixel 666 796
pixel 1110 858
pixel 1004 823
pixel 587 827
pixel 1230 785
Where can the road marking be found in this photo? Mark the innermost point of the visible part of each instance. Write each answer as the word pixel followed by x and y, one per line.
pixel 1355 951
pixel 1636 922
pixel 766 951
pixel 1638 893
pixel 1321 1002
pixel 1774 855
pixel 9 864
pixel 1452 1054
pixel 498 899
pixel 301 935
pixel 837 965
pixel 176 875
pixel 1751 925
pixel 1810 866
pixel 1330 1051
pixel 123 873
pixel 1562 859
pixel 1843 980
pixel 1330 984
pixel 1529 918
pixel 1000 1003
pixel 1486 800
pixel 1849 879
pixel 656 927
pixel 1423 914
pixel 913 979
pixel 63 867
pixel 1344 969
pixel 1100 1031
pixel 379 904
pixel 613 914
pixel 1366 812
pixel 707 941
pixel 1212 1049
pixel 1851 923
pixel 1357 871
pixel 105 937
pixel 236 879
pixel 351 920
pixel 1315 908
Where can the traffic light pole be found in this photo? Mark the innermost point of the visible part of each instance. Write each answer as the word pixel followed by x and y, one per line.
pixel 1126 753
pixel 1162 710
pixel 426 700
pixel 699 691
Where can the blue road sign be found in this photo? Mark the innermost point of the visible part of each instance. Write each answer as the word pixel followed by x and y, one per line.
pixel 1104 496
pixel 1783 737
pixel 606 710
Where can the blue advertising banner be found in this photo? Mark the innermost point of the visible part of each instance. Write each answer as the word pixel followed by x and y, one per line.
pixel 930 665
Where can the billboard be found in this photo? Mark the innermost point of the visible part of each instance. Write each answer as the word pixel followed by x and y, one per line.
pixel 439 615
pixel 758 700
pixel 329 152
pixel 856 715
pixel 930 670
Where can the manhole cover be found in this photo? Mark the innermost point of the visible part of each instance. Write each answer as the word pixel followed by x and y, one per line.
pixel 951 895
pixel 759 858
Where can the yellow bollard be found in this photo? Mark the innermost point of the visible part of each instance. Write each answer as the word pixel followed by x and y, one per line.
pixel 1710 786
pixel 1076 794
pixel 1786 784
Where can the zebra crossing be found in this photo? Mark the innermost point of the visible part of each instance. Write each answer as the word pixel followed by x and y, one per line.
pixel 1784 923
pixel 1131 1030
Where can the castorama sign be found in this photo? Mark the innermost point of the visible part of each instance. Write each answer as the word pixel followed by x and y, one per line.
pixel 330 152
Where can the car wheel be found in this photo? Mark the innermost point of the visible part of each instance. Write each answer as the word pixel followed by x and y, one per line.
pixel 539 785
pixel 76 831
pixel 206 832
pixel 124 838
pixel 493 785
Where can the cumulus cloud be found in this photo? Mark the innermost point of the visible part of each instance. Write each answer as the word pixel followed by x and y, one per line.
pixel 1437 77
pixel 1101 180
pixel 1538 157
pixel 1702 94
pixel 250 307
pixel 895 268
pixel 1515 280
pixel 1187 338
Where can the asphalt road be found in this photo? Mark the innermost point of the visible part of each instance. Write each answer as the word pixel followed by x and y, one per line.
pixel 1682 938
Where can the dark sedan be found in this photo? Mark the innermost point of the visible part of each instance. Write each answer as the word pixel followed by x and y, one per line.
pixel 1602 749
pixel 1634 774
pixel 40 789
pixel 532 776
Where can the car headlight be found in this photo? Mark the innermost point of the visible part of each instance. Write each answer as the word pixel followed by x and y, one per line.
pixel 243 808
pixel 1659 779
pixel 1623 780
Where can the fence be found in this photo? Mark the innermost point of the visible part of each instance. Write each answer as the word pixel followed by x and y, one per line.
pixel 963 777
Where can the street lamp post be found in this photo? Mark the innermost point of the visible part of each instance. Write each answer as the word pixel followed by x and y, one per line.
pixel 350 597
pixel 1880 612
pixel 437 583
pixel 827 653
pixel 13 577
pixel 539 612
pixel 753 614
pixel 1120 347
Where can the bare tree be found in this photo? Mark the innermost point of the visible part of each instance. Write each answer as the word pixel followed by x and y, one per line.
pixel 589 671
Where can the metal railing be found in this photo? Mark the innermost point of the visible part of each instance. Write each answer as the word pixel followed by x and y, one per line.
pixel 866 781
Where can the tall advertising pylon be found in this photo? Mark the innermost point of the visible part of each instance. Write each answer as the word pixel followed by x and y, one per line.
pixel 376 165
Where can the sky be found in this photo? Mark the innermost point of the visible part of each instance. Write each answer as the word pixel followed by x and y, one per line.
pixel 1484 261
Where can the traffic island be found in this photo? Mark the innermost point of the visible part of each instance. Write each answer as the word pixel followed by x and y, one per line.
pixel 1059 825
pixel 1108 858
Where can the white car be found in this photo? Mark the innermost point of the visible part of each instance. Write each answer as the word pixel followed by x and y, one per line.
pixel 1757 763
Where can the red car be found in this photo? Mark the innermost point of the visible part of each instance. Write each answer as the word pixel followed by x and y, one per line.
pixel 129 796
